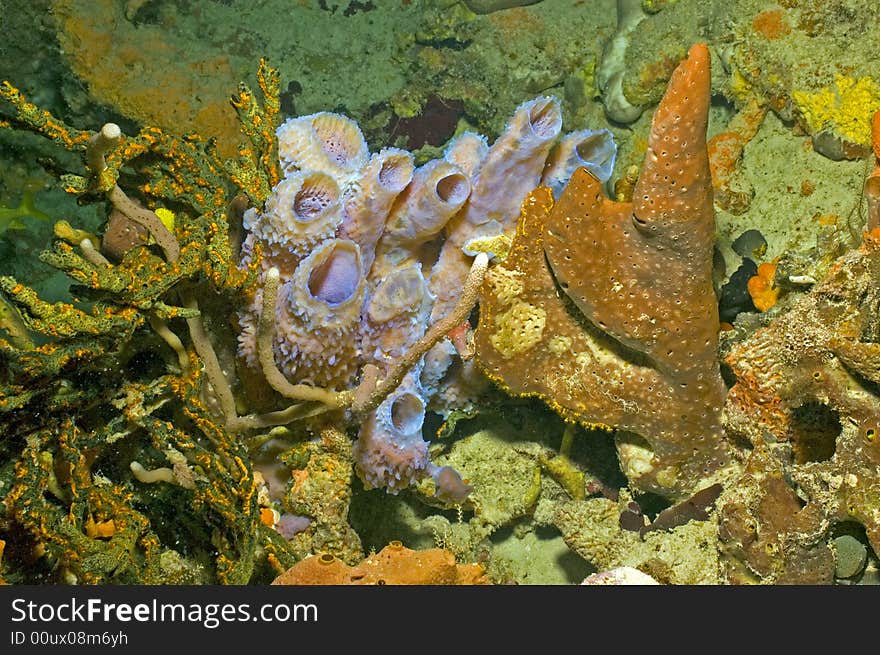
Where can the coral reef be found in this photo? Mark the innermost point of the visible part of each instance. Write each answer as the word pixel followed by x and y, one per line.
pixel 247 354
pixel 332 246
pixel 128 296
pixel 348 236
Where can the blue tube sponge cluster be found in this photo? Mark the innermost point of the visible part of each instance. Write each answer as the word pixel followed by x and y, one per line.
pixel 355 236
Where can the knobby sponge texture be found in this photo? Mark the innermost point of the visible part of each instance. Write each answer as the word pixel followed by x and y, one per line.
pixel 606 309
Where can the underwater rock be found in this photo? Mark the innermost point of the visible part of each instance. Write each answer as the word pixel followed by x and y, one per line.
pixel 808 62
pixel 622 575
pixel 173 66
pixel 496 500
pixel 765 534
pixel 807 383
pixel 688 554
pixel 850 556
pixel 695 508
pixel 317 498
pixel 750 243
pixel 725 154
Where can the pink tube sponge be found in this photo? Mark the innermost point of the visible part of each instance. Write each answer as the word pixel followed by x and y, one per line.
pixel 321 304
pixel 370 197
pixel 303 210
pixel 389 451
pixel 325 142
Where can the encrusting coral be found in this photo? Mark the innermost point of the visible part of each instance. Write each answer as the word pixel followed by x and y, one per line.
pixel 108 371
pixel 394 565
pixel 607 310
pixel 805 398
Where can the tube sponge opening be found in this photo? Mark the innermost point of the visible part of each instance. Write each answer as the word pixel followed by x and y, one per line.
pixel 545 117
pixel 304 208
pixel 335 278
pixel 402 291
pixel 341 140
pixel 467 151
pixel 594 150
pixel 437 191
pixel 453 189
pixel 597 151
pixel 327 289
pixel 407 413
pixel 316 193
pixel 326 142
pixel 396 170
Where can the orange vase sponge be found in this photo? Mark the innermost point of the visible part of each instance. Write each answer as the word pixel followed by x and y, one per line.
pixel 606 309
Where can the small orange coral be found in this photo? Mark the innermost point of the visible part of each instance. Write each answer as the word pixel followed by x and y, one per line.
pixel 267 517
pixel 826 220
pixel 872 238
pixel 771 24
pixel 100 529
pixel 761 288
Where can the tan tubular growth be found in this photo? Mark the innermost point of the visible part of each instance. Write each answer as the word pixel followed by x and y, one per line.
pixel 265 335
pixel 470 293
pixel 102 142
